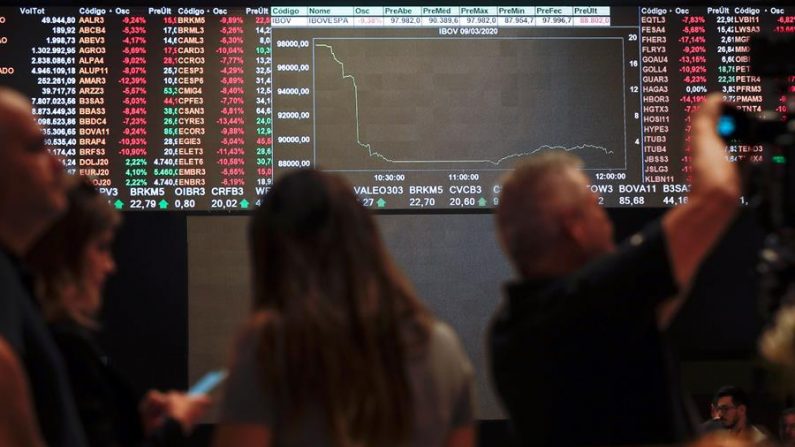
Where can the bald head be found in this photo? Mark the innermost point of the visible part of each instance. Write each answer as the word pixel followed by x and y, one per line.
pixel 544 209
pixel 32 181
pixel 12 99
pixel 15 115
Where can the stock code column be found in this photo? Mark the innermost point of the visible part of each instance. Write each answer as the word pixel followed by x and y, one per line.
pixel 656 68
pixel 93 100
pixel 186 97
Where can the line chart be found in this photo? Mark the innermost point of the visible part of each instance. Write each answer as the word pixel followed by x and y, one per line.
pixel 374 153
pixel 427 103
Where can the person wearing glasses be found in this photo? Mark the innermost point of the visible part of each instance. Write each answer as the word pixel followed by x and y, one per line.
pixel 730 407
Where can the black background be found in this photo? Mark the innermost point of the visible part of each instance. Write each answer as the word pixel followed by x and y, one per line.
pixel 145 316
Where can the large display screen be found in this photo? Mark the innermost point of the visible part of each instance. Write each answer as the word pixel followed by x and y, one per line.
pixel 202 108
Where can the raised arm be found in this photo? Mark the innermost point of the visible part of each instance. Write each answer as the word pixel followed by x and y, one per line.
pixel 693 229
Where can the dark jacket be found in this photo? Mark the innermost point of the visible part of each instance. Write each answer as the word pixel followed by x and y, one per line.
pixel 578 360
pixel 107 404
pixel 23 328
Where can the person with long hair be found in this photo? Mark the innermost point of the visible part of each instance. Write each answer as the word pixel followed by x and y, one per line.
pixel 339 350
pixel 71 263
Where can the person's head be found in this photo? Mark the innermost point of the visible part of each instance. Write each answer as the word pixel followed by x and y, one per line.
pixel 730 404
pixel 337 309
pixel 73 258
pixel 548 222
pixel 32 180
pixel 786 427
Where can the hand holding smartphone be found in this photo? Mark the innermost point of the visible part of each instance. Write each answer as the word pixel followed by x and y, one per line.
pixel 208 382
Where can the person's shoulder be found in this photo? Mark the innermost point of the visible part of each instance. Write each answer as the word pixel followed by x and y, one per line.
pixel 14 312
pixel 248 337
pixel 6 261
pixel 648 243
pixel 69 329
pixel 69 335
pixel 442 333
pixel 256 324
pixel 642 255
pixel 75 343
pixel 10 281
pixel 760 433
pixel 445 347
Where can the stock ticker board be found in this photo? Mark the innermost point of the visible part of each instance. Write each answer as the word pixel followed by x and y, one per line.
pixel 188 108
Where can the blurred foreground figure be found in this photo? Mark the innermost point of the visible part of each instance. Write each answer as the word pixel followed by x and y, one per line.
pixel 71 262
pixel 339 352
pixel 730 406
pixel 582 333
pixel 726 439
pixel 32 194
pixel 786 427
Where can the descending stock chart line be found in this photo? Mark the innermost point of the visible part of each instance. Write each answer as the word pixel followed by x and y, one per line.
pixel 373 153
pixel 600 155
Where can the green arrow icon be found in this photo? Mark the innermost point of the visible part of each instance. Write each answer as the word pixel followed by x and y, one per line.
pixel 163 204
pixel 381 202
pixel 118 204
pixel 482 202
pixel 244 203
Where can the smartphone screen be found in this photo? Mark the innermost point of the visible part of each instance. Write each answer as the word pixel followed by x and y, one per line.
pixel 208 382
